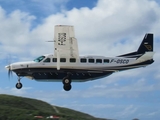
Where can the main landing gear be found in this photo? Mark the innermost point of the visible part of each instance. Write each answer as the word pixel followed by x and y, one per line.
pixel 19 84
pixel 67 83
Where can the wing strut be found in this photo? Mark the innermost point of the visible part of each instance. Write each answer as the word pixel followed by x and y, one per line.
pixel 58 60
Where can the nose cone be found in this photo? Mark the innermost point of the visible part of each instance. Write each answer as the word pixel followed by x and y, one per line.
pixel 7 67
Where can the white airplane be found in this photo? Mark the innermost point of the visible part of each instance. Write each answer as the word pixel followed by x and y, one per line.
pixel 66 66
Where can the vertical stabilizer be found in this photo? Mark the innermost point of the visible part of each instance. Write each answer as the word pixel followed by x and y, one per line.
pixel 147 44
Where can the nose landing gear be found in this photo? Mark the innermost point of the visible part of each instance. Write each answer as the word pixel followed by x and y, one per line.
pixel 19 84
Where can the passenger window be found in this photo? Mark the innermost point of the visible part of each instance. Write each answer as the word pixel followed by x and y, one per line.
pixel 62 59
pixel 47 60
pixel 83 60
pixel 54 60
pixel 72 60
pixel 91 60
pixel 106 61
pixel 98 60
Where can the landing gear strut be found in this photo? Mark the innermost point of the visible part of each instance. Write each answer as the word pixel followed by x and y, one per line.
pixel 67 82
pixel 19 84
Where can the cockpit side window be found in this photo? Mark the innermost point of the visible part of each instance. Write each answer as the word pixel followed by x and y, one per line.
pixel 39 59
pixel 47 60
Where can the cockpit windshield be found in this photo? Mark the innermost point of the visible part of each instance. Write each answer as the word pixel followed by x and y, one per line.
pixel 39 59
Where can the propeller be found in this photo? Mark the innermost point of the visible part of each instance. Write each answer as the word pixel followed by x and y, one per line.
pixel 9 70
pixel 9 66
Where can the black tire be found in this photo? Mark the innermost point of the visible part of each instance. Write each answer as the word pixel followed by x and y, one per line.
pixel 66 81
pixel 67 87
pixel 19 85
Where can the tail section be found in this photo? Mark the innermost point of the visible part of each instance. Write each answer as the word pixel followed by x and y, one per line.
pixel 146 46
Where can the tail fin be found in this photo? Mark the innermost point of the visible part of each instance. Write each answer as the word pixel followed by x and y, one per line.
pixel 147 44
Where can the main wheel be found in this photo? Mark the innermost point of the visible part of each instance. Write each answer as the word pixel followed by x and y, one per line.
pixel 19 85
pixel 67 87
pixel 66 81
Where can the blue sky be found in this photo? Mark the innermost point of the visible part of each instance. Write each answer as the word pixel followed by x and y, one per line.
pixel 102 27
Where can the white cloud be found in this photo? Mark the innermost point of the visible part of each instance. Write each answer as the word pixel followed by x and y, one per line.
pixel 105 25
pixel 151 114
pixel 14 91
pixel 112 27
pixel 128 111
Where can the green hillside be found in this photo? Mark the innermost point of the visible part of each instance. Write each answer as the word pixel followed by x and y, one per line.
pixel 19 108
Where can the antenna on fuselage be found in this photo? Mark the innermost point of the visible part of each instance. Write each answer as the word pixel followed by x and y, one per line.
pixel 51 41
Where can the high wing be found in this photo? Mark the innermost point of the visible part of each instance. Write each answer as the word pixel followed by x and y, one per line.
pixel 65 43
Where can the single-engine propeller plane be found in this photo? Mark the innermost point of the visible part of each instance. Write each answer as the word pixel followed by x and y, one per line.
pixel 66 66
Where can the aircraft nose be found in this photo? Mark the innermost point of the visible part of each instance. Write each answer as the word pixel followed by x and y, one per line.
pixel 7 66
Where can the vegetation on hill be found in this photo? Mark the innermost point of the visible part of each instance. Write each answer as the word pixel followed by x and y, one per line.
pixel 19 108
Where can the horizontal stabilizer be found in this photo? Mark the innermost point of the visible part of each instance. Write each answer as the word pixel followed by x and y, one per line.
pixel 146 56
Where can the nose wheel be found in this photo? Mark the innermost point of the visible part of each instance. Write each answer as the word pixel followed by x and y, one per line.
pixel 19 84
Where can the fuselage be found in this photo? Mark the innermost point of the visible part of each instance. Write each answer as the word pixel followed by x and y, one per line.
pixel 84 68
pixel 66 65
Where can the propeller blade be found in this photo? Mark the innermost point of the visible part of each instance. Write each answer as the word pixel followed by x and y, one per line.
pixel 9 72
pixel 9 66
